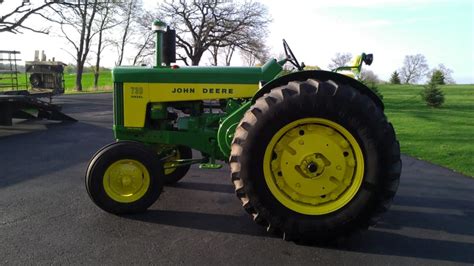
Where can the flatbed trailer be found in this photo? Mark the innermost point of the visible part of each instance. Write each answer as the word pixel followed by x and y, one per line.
pixel 24 103
pixel 25 106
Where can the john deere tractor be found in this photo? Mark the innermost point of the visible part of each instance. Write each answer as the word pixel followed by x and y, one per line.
pixel 311 153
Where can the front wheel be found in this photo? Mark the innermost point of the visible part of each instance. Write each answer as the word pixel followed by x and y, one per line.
pixel 124 177
pixel 315 160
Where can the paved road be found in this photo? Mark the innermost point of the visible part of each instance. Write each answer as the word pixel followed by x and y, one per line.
pixel 46 216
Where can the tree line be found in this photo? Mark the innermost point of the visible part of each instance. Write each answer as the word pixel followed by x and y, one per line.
pixel 414 69
pixel 89 27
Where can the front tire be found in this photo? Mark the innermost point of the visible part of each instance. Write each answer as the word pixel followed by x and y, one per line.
pixel 124 177
pixel 315 160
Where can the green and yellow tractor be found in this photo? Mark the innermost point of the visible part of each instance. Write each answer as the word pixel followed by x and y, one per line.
pixel 311 153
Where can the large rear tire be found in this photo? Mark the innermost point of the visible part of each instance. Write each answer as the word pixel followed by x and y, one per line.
pixel 315 160
pixel 124 177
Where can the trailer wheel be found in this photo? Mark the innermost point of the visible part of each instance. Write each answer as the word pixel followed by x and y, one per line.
pixel 124 177
pixel 174 174
pixel 315 160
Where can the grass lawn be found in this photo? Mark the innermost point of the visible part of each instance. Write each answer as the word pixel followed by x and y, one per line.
pixel 105 82
pixel 445 135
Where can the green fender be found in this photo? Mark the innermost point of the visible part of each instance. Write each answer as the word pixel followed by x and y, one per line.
pixel 227 127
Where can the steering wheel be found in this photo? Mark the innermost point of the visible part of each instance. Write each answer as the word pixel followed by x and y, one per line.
pixel 290 56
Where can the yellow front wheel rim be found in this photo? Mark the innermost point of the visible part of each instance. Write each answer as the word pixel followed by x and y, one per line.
pixel 313 166
pixel 126 180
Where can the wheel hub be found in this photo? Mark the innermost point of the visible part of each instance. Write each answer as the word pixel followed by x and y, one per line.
pixel 315 167
pixel 126 180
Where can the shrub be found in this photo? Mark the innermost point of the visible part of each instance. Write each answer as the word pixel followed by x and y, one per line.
pixel 432 95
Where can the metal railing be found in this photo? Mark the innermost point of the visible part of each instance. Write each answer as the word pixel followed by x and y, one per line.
pixel 9 73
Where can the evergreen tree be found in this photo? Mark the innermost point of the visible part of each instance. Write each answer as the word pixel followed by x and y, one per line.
pixel 395 78
pixel 432 95
pixel 438 77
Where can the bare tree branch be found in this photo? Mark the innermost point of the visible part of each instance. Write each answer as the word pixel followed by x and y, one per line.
pixel 14 20
pixel 105 22
pixel 209 25
pixel 339 60
pixel 129 10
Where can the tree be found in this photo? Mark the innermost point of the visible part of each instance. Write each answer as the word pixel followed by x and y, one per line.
pixel 144 43
pixel 258 56
pixel 217 49
pixel 368 76
pixel 442 71
pixel 76 22
pixel 370 79
pixel 228 53
pixel 437 77
pixel 201 25
pixel 414 68
pixel 13 20
pixel 129 10
pixel 247 42
pixel 339 60
pixel 104 22
pixel 395 78
pixel 256 53
pixel 432 95
pixel 252 53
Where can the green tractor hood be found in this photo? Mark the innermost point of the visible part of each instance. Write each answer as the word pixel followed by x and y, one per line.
pixel 193 74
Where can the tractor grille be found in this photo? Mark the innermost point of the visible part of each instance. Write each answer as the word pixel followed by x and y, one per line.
pixel 118 104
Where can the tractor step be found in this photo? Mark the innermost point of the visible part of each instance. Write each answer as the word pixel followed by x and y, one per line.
pixel 210 166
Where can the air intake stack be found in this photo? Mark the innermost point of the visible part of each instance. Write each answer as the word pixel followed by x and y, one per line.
pixel 159 27
pixel 165 47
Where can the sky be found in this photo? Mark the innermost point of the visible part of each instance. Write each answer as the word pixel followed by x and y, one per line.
pixel 442 30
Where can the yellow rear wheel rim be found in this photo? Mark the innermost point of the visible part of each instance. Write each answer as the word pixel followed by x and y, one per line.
pixel 313 166
pixel 126 180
